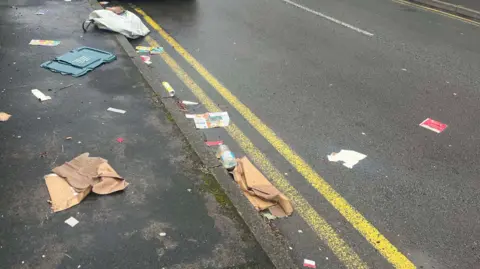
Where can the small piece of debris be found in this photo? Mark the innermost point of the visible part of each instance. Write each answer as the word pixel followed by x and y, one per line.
pixel 41 12
pixel 68 138
pixel 103 3
pixel 348 157
pixel 40 96
pixel 4 116
pixel 121 111
pixel 120 140
pixel 214 143
pixel 79 142
pixel 309 263
pixel 300 231
pixel 163 234
pixel 72 221
pixel 19 136
pixel 403 69
pixel 189 103
pixel 43 256
pixel 364 133
pixel 454 94
pixel 168 88
pixel 290 248
pixel 189 190
pixel 433 125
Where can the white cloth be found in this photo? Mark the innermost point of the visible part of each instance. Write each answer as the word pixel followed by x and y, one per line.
pixel 127 23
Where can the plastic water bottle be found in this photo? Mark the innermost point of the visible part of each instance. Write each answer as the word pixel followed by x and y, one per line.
pixel 226 157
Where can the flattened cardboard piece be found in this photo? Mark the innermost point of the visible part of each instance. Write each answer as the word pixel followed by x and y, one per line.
pixel 80 171
pixel 259 191
pixel 62 195
pixel 86 172
pixel 109 181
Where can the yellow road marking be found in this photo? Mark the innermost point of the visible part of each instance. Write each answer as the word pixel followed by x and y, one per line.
pixel 443 13
pixel 373 236
pixel 339 247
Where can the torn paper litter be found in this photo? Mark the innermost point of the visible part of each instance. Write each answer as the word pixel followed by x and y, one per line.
pixel 259 191
pixel 72 221
pixel 348 157
pixel 433 125
pixel 189 103
pixel 309 263
pixel 40 96
pixel 211 120
pixel 74 180
pixel 48 43
pixel 4 116
pixel 121 111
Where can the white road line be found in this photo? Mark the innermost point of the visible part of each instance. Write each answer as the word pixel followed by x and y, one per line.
pixel 329 18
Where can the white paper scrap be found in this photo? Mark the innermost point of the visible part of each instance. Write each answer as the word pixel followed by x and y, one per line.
pixel 211 120
pixel 190 116
pixel 189 103
pixel 121 111
pixel 348 157
pixel 71 221
pixel 40 96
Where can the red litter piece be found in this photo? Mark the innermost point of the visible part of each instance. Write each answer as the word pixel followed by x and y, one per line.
pixel 434 125
pixel 120 140
pixel 214 143
pixel 309 263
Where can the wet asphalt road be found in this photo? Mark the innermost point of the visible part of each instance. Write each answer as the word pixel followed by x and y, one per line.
pixel 323 87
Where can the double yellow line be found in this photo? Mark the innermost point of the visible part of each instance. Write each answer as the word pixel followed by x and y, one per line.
pixel 341 249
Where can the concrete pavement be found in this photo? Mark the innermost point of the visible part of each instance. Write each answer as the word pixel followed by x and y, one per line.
pixel 169 191
pixel 322 87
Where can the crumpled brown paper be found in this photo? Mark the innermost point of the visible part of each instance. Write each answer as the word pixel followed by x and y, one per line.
pixel 259 191
pixel 75 179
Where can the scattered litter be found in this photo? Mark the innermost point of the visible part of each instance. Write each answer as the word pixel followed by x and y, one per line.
pixel 121 111
pixel 189 103
pixel 259 191
pixel 79 142
pixel 309 263
pixel 146 59
pixel 403 69
pixel 156 50
pixel 189 190
pixel 150 50
pixel 68 0
pixel 348 157
pixel 364 133
pixel 211 120
pixel 43 154
pixel 23 262
pixel 103 3
pixel 64 87
pixel 163 234
pixel 40 42
pixel 118 20
pixel 143 49
pixel 79 61
pixel 75 179
pixel 190 116
pixel 168 88
pixel 290 248
pixel 19 136
pixel 41 12
pixel 120 140
pixel 454 94
pixel 68 138
pixel 433 125
pixel 40 96
pixel 214 143
pixel 300 231
pixel 226 157
pixel 71 221
pixel 4 116
pixel 43 256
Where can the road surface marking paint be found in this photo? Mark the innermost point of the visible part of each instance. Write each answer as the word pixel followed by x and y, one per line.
pixel 446 14
pixel 324 231
pixel 362 225
pixel 349 26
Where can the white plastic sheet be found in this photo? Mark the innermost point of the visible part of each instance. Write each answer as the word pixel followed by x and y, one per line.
pixel 127 23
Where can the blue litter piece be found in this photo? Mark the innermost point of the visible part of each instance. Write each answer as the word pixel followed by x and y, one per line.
pixel 79 61
pixel 65 69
